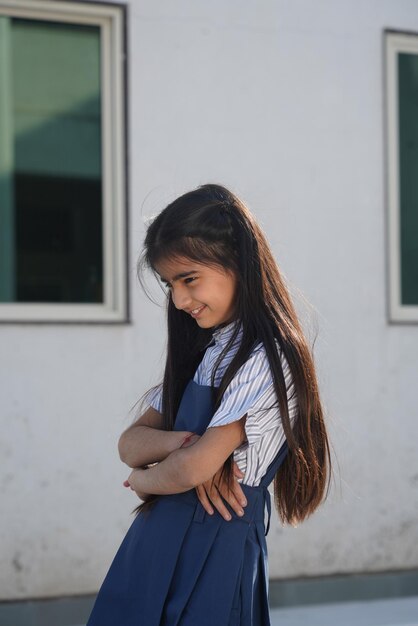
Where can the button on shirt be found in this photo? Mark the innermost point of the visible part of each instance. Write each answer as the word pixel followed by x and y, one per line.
pixel 250 392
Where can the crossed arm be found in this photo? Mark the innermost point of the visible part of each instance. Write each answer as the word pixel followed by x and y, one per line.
pixel 179 469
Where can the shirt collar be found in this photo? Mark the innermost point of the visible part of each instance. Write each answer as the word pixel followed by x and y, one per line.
pixel 223 334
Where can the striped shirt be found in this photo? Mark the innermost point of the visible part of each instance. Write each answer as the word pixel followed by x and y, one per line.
pixel 250 392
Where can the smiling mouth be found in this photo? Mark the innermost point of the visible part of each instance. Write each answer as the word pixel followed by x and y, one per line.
pixel 196 312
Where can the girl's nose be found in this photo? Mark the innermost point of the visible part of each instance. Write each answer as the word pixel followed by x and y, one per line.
pixel 181 299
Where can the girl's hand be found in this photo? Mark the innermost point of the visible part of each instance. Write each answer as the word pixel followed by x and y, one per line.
pixel 190 440
pixel 182 439
pixel 134 479
pixel 216 487
pixel 130 482
pixel 214 490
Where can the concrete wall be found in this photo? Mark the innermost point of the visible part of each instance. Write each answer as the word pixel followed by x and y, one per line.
pixel 283 102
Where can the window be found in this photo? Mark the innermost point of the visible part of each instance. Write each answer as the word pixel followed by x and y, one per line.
pixel 402 173
pixel 62 162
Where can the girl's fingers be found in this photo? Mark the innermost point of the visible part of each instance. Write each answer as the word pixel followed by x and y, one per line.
pixel 126 483
pixel 190 440
pixel 210 496
pixel 234 500
pixel 239 473
pixel 237 489
pixel 239 494
pixel 218 503
pixel 201 493
pixel 235 496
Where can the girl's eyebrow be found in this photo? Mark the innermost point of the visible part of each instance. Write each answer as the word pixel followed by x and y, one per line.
pixel 177 276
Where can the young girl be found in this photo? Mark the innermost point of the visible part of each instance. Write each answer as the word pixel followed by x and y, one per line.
pixel 238 408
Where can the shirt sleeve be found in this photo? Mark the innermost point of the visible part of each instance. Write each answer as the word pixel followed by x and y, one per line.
pixel 251 392
pixel 154 397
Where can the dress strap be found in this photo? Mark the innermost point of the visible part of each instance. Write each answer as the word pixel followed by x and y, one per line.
pixel 267 499
pixel 268 478
pixel 274 466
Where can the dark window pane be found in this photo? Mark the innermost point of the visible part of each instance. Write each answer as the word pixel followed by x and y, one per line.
pixel 408 167
pixel 50 189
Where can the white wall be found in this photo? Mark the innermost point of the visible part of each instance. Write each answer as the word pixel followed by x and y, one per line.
pixel 283 102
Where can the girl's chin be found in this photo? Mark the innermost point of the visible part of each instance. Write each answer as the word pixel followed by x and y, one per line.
pixel 204 323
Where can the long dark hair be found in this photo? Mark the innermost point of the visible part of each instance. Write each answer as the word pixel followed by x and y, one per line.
pixel 212 225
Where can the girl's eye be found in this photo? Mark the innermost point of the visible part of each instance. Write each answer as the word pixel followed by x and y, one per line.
pixel 186 281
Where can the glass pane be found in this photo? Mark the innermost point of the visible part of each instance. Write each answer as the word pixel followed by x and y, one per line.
pixel 50 163
pixel 408 155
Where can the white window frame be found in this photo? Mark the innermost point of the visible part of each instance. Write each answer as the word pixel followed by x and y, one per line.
pixel 111 21
pixel 394 43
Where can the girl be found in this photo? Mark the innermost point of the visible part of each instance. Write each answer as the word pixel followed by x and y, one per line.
pixel 237 409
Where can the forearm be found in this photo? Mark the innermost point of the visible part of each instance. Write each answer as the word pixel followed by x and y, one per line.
pixel 140 445
pixel 169 476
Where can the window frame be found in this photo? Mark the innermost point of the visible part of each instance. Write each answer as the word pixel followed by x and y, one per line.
pixel 111 20
pixel 395 42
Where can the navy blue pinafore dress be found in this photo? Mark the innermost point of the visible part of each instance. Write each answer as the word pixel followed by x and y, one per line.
pixel 180 566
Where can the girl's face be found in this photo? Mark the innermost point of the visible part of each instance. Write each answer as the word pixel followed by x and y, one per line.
pixel 206 293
